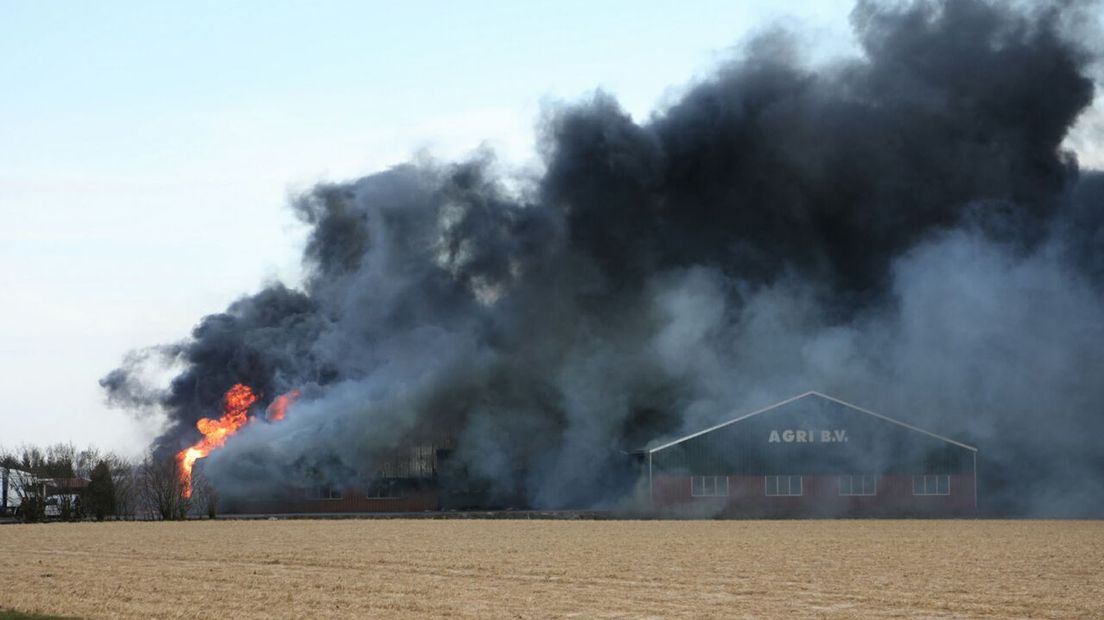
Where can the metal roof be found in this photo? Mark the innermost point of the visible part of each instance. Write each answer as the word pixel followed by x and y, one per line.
pixel 797 398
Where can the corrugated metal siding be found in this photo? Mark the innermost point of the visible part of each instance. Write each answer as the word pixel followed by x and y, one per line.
pixel 872 446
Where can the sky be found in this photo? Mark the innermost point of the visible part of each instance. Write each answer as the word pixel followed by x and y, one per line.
pixel 148 150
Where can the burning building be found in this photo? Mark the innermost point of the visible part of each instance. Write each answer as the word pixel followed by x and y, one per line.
pixel 407 480
pixel 903 227
pixel 417 475
pixel 812 455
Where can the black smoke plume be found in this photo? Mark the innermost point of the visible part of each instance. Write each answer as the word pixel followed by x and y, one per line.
pixel 902 229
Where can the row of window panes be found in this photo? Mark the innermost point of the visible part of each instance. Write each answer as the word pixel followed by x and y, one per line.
pixel 858 485
pixel 709 486
pixel 931 485
pixel 717 486
pixel 324 492
pixel 783 485
pixel 385 491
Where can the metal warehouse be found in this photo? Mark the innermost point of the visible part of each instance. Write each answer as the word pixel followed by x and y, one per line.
pixel 812 455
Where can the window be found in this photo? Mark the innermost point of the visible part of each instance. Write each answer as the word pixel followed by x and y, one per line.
pixel 385 489
pixel 324 492
pixel 931 485
pixel 783 485
pixel 858 485
pixel 709 486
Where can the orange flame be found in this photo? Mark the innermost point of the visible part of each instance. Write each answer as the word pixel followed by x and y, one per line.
pixel 235 408
pixel 278 409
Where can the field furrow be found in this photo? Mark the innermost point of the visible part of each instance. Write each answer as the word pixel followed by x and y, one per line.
pixel 582 569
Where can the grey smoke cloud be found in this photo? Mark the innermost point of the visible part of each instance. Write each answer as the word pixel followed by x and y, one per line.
pixel 902 230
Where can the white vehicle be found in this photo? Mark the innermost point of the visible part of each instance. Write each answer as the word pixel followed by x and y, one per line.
pixel 14 483
pixel 58 505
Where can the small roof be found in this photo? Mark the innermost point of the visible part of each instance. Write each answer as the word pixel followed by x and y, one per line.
pixel 14 469
pixel 797 398
pixel 68 484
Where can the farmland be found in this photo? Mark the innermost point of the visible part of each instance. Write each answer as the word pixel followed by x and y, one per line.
pixel 586 569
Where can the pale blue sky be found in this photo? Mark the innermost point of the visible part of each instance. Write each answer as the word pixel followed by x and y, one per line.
pixel 147 149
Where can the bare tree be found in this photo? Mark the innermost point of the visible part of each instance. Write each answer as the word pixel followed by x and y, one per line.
pixel 124 476
pixel 56 474
pixel 58 460
pixel 162 489
pixel 204 496
pixel 84 461
pixel 69 472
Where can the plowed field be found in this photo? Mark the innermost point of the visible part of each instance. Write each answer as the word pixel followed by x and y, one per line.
pixel 585 569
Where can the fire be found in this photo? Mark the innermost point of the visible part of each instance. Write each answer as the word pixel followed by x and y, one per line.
pixel 235 408
pixel 278 408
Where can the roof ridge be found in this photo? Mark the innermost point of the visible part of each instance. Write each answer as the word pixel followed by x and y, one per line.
pixel 795 399
pixel 895 421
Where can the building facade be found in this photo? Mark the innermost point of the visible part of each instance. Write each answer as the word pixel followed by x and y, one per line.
pixel 812 456
pixel 416 478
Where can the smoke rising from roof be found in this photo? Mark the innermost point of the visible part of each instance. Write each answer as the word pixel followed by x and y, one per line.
pixel 902 230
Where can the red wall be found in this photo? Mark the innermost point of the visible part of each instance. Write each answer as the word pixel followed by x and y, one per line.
pixel 747 497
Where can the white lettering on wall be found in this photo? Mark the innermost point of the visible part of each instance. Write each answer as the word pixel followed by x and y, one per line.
pixel 807 436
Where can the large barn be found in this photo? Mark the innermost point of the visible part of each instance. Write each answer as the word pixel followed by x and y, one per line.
pixel 812 455
pixel 413 477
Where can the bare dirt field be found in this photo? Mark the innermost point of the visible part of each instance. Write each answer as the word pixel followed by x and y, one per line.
pixel 585 569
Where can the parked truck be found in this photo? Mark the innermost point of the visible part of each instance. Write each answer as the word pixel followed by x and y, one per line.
pixel 15 484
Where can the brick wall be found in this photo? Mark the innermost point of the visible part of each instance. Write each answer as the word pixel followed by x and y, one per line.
pixel 414 500
pixel 820 497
